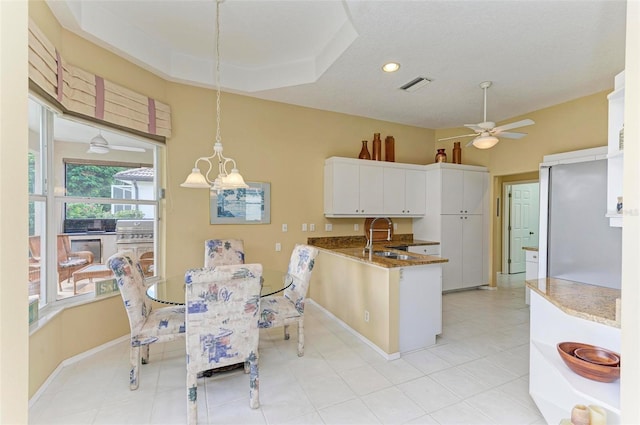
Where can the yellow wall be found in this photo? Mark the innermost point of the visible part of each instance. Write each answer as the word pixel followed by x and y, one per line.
pixel 347 288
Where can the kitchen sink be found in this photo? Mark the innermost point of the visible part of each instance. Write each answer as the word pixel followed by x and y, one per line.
pixel 394 255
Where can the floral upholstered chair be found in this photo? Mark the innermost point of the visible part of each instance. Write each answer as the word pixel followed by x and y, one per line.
pixel 222 325
pixel 286 309
pixel 223 252
pixel 147 325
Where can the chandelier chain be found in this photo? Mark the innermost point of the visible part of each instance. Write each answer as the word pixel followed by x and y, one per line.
pixel 218 139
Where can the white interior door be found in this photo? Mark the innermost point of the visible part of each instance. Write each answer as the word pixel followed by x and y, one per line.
pixel 523 223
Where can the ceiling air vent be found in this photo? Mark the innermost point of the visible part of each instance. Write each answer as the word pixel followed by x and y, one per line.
pixel 416 84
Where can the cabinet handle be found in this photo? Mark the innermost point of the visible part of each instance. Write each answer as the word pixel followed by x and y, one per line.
pixel 465 217
pixel 535 257
pixel 465 211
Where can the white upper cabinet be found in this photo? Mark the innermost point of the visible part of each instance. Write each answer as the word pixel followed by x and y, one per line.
pixel 351 188
pixel 615 151
pixel 404 191
pixel 463 192
pixel 355 187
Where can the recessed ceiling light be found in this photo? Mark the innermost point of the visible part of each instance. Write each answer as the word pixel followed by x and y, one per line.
pixel 391 67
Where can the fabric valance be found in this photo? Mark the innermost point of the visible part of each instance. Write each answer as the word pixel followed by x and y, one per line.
pixel 87 94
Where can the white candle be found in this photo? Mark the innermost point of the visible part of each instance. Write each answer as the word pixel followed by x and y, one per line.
pixel 597 415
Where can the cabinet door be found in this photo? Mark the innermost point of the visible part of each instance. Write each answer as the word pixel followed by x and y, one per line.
pixel 473 192
pixel 371 186
pixel 346 188
pixel 394 191
pixel 472 251
pixel 451 249
pixel 452 191
pixel 415 192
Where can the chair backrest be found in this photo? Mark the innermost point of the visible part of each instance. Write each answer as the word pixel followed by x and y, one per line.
pixel 64 248
pixel 128 272
pixel 300 267
pixel 223 252
pixel 34 247
pixel 222 303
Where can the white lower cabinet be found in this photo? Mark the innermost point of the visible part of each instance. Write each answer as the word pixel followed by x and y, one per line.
pixel 462 244
pixel 457 216
pixel 552 385
pixel 530 271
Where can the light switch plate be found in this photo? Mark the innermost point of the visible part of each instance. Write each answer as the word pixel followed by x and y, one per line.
pixel 328 227
pixel 278 247
pixel 312 227
pixel 284 227
pixel 304 227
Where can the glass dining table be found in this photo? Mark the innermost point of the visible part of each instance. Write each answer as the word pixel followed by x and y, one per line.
pixel 170 290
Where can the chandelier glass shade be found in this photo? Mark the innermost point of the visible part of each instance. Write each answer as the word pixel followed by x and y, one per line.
pixel 225 179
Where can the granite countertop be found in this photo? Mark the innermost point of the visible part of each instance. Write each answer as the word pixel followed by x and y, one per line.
pixel 530 248
pixel 590 302
pixel 352 247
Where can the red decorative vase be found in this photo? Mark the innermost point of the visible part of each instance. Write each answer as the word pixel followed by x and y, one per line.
pixel 364 152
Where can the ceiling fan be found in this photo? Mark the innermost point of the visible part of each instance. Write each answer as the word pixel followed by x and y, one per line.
pixel 486 132
pixel 100 145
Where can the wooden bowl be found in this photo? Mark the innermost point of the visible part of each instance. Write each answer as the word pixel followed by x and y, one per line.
pixel 597 356
pixel 586 369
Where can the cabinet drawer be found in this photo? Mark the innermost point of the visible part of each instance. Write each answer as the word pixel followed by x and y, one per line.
pixel 531 256
pixel 425 249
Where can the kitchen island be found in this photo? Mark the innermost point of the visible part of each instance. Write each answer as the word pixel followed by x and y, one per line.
pixel 568 311
pixel 392 304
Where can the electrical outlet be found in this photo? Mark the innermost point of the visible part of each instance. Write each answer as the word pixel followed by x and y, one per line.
pixel 312 227
pixel 304 227
pixel 278 247
pixel 366 316
pixel 356 227
pixel 284 227
pixel 328 227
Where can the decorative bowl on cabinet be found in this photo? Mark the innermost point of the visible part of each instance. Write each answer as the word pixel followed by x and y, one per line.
pixel 597 356
pixel 587 369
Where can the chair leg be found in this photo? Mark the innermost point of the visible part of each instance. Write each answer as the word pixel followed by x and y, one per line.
pixel 134 360
pixel 286 331
pixel 301 337
pixel 254 382
pixel 145 354
pixel 192 398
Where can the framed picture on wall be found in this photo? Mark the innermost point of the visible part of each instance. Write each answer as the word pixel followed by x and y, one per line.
pixel 242 206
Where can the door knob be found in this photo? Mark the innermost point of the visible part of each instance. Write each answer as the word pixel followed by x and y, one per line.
pixel 531 233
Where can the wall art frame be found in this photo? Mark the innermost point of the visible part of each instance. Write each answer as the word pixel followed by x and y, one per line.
pixel 242 206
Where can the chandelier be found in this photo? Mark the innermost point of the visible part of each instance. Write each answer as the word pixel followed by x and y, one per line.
pixel 225 179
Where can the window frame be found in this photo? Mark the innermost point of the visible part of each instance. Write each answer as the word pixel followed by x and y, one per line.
pixel 54 203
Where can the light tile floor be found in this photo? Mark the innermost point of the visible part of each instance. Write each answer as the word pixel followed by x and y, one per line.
pixel 477 373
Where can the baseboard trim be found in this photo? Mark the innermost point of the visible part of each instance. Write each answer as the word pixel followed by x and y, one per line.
pixel 72 360
pixel 385 355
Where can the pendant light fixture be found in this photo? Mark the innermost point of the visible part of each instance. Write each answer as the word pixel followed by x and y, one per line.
pixel 224 180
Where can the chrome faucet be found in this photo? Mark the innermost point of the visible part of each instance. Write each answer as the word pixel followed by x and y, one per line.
pixel 369 245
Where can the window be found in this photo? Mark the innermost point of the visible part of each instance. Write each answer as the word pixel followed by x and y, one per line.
pixel 77 195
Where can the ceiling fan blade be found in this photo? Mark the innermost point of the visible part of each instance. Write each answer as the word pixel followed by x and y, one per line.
pixel 470 142
pixel 516 124
pixel 456 137
pixel 127 148
pixel 511 135
pixel 474 127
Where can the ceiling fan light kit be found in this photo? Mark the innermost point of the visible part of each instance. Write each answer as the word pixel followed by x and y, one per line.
pixel 486 133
